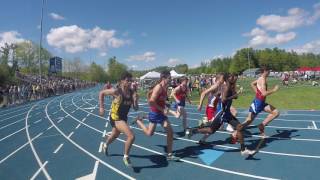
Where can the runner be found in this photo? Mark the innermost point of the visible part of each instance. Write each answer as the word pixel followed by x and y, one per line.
pixel 225 115
pixel 259 103
pixel 180 94
pixel 124 98
pixel 157 98
pixel 213 93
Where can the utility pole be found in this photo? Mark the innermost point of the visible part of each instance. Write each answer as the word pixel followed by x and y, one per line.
pixel 40 40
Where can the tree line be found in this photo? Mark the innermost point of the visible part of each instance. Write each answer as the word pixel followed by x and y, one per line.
pixel 25 57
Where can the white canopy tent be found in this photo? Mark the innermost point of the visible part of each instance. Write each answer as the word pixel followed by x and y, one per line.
pixel 150 75
pixel 156 75
pixel 174 74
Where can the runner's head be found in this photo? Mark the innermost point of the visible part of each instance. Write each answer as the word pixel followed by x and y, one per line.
pixel 126 79
pixel 265 70
pixel 165 77
pixel 184 80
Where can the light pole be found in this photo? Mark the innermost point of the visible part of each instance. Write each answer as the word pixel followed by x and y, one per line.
pixel 40 40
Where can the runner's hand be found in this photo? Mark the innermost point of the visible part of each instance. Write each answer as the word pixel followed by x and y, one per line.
pixel 199 108
pixel 101 111
pixel 275 88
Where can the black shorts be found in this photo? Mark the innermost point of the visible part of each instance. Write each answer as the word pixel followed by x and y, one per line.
pixel 112 122
pixel 218 121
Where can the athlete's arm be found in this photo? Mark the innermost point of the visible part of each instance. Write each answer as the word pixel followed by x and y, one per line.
pixel 264 91
pixel 135 101
pixel 205 93
pixel 153 99
pixel 254 86
pixel 102 94
pixel 174 93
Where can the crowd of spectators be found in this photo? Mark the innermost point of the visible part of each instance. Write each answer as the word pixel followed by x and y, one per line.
pixel 29 88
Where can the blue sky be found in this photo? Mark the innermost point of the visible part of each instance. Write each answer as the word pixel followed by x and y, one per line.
pixel 148 33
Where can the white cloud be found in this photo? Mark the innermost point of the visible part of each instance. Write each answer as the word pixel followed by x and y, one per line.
pixel 102 54
pixel 255 32
pixel 264 39
pixel 10 37
pixel 133 66
pixel 218 56
pixel 316 14
pixel 56 16
pixel 296 18
pixel 174 61
pixel 74 39
pixel 147 57
pixel 311 47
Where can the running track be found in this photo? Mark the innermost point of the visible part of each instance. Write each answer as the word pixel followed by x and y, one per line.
pixel 61 137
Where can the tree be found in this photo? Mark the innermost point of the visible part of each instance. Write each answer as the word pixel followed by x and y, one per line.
pixel 115 69
pixel 181 68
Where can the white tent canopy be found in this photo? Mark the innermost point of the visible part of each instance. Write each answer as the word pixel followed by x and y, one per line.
pixel 150 75
pixel 155 75
pixel 174 74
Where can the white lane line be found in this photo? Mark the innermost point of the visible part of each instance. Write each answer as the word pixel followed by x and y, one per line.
pixel 38 113
pixel 32 147
pixel 49 127
pixel 266 152
pixel 60 120
pixel 78 126
pixel 88 115
pixel 14 111
pixel 39 170
pixel 100 147
pixel 55 112
pixel 38 121
pixel 190 162
pixel 104 133
pixel 58 148
pixel 15 151
pixel 12 117
pixel 81 148
pixel 73 111
pixel 91 176
pixel 315 125
pixel 70 135
pixel 11 124
pixel 12 134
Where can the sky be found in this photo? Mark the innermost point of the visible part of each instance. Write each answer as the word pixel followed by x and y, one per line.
pixel 148 33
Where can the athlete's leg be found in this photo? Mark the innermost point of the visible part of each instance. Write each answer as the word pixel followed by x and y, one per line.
pixel 167 126
pixel 184 118
pixel 147 130
pixel 248 120
pixel 109 139
pixel 273 113
pixel 123 127
pixel 114 134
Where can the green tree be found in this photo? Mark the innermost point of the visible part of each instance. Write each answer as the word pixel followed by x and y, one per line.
pixel 115 69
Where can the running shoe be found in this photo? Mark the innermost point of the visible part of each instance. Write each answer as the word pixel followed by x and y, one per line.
pixel 188 133
pixel 105 149
pixel 171 157
pixel 127 161
pixel 247 152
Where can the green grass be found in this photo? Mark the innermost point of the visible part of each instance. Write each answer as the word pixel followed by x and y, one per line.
pixel 301 96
